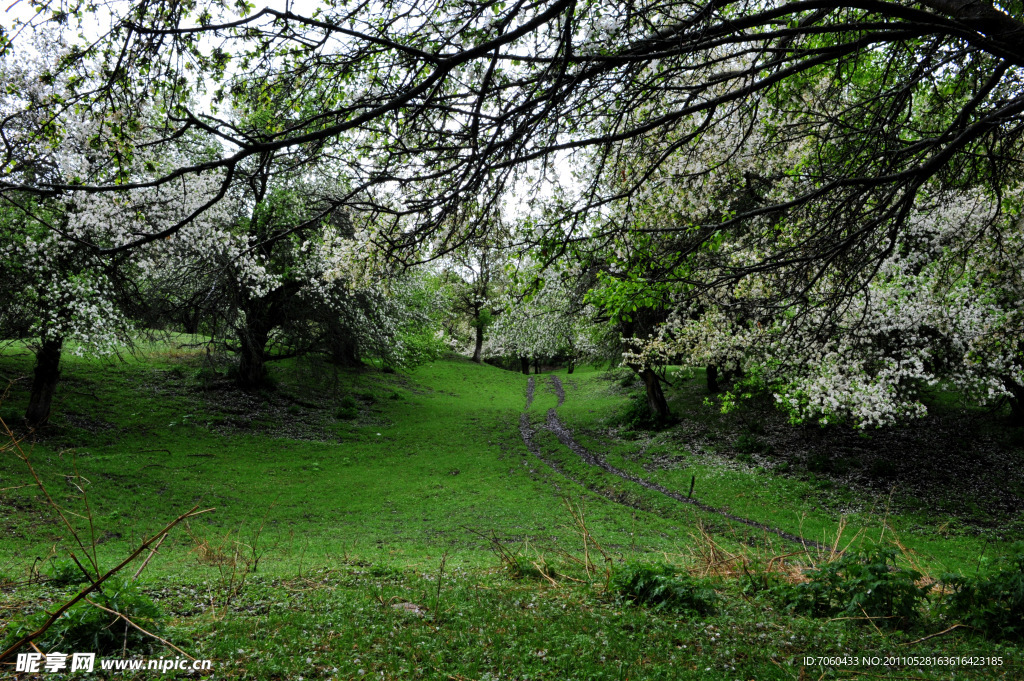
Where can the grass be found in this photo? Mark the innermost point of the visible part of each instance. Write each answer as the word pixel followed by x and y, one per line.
pixel 340 495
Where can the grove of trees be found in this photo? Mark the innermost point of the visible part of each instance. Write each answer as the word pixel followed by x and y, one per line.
pixel 820 200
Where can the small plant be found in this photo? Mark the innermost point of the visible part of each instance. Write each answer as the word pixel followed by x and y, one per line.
pixel 64 572
pixel 659 585
pixel 993 603
pixel 97 623
pixel 638 416
pixel 865 584
pixel 346 413
pixel 523 567
pixel 748 444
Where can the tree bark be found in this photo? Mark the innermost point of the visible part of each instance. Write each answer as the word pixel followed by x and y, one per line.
pixel 572 366
pixel 345 350
pixel 1016 401
pixel 524 364
pixel 252 369
pixel 656 401
pixel 190 322
pixel 478 347
pixel 712 376
pixel 44 383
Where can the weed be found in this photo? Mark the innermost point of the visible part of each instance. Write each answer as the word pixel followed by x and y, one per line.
pixel 992 603
pixel 64 572
pixel 346 413
pixel 638 416
pixel 861 585
pixel 97 623
pixel 516 563
pixel 748 444
pixel 660 586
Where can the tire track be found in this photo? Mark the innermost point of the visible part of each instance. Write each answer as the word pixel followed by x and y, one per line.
pixel 564 435
pixel 527 432
pixel 556 385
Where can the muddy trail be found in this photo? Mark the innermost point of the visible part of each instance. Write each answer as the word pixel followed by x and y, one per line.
pixel 564 435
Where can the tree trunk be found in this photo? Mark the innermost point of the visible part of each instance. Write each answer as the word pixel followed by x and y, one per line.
pixel 656 401
pixel 712 374
pixel 536 365
pixel 44 383
pixel 252 369
pixel 572 366
pixel 1016 401
pixel 345 349
pixel 478 347
pixel 190 322
pixel 524 364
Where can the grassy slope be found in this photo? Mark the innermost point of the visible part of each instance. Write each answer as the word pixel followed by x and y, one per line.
pixel 356 513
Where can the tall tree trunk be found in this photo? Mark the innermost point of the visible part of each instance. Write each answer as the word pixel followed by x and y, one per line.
pixel 345 349
pixel 252 369
pixel 478 347
pixel 524 364
pixel 44 383
pixel 712 374
pixel 656 401
pixel 1016 401
pixel 190 322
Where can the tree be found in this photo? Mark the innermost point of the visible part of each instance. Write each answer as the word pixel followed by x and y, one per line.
pixel 546 319
pixel 864 112
pixel 937 313
pixel 62 295
pixel 475 280
pixel 446 103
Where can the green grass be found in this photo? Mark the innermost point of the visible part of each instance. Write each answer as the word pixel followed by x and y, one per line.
pixel 339 494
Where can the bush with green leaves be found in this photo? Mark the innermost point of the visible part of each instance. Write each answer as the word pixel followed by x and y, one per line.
pixel 638 416
pixel 63 572
pixel 661 586
pixel 992 603
pixel 86 627
pixel 866 583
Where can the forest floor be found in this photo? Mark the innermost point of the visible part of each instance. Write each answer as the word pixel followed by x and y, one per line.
pixel 465 522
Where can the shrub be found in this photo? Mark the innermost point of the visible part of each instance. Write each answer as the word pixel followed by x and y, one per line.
pixel 748 443
pixel 992 603
pixel 86 627
pixel 348 409
pixel 659 585
pixel 64 572
pixel 638 416
pixel 521 567
pixel 346 413
pixel 860 584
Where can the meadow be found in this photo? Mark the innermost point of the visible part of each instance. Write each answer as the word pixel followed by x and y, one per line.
pixel 460 521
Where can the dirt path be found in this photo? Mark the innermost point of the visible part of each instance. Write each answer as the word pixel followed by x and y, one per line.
pixel 564 435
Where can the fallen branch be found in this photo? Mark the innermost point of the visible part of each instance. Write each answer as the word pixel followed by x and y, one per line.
pixel 944 631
